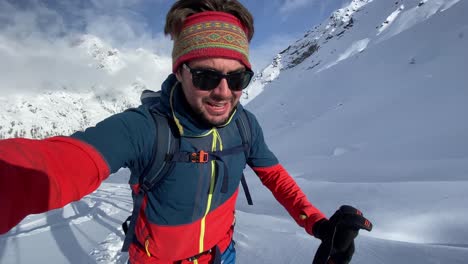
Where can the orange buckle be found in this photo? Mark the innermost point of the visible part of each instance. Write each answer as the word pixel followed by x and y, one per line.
pixel 200 157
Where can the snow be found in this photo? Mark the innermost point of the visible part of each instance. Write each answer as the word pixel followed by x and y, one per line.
pixel 114 81
pixel 448 4
pixel 355 48
pixel 413 16
pixel 87 231
pixel 110 60
pixel 383 129
pixel 390 19
pixel 345 14
pixel 269 74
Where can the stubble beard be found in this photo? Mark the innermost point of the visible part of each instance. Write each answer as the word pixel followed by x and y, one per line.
pixel 203 116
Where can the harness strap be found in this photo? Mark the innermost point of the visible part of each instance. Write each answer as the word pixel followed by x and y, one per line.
pixel 243 125
pixel 215 251
pixel 246 190
pixel 216 255
pixel 131 229
pixel 219 156
pixel 152 174
pixel 204 156
pixel 207 156
pixel 192 259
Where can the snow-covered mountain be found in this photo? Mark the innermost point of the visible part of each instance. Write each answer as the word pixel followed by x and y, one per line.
pixel 60 108
pixel 351 30
pixel 377 108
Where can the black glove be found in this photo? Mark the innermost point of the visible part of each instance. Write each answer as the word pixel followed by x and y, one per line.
pixel 337 235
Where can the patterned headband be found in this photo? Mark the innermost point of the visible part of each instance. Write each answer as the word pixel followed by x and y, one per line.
pixel 211 34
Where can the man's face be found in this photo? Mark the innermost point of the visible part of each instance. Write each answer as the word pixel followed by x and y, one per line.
pixel 215 106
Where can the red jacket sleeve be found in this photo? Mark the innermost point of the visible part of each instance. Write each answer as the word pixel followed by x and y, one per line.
pixel 40 175
pixel 288 193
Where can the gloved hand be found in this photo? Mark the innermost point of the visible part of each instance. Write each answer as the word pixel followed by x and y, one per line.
pixel 337 235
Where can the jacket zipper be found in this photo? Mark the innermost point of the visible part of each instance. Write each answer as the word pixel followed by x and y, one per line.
pixel 216 139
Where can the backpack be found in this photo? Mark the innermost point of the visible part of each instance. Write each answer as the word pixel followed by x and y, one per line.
pixel 166 146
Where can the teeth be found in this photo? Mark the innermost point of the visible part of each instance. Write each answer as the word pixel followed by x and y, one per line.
pixel 217 105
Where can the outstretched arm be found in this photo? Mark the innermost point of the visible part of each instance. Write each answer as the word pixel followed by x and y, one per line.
pixel 41 175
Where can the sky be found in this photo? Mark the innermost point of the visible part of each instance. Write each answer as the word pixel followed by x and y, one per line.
pixel 36 33
pixel 379 123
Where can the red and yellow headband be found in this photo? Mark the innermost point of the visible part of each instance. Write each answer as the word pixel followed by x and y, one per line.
pixel 211 34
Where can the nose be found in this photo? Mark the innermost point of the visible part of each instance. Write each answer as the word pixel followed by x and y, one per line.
pixel 222 89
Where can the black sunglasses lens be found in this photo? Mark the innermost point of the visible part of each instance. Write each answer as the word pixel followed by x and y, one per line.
pixel 208 80
pixel 205 80
pixel 236 81
pixel 239 81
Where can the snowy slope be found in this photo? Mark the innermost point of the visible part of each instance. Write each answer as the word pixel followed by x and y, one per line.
pixel 379 124
pixel 375 118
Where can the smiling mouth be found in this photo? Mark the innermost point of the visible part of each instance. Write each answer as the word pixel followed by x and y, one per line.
pixel 216 104
pixel 217 107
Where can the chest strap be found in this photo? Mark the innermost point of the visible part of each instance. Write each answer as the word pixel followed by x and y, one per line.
pixel 207 156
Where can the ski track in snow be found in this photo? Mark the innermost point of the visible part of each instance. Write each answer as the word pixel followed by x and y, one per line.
pixel 101 202
pixel 355 48
pixel 448 4
pixel 390 19
pixel 401 20
pixel 109 250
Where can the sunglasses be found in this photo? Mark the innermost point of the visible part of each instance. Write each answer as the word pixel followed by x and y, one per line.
pixel 207 79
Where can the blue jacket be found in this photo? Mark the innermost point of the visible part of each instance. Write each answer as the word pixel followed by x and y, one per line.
pixel 190 196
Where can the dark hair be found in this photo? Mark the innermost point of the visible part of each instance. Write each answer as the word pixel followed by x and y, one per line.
pixel 184 8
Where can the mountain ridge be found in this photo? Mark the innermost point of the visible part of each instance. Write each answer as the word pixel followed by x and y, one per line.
pixel 64 108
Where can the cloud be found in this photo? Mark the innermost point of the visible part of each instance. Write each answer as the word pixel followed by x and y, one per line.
pixel 292 5
pixel 39 45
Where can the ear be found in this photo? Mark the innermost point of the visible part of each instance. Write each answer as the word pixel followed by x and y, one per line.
pixel 178 75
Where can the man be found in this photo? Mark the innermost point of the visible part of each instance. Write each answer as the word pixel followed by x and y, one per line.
pixel 189 216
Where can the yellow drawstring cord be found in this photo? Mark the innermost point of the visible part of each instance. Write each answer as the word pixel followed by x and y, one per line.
pixel 146 248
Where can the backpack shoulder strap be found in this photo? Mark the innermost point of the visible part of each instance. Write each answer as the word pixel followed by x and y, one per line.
pixel 149 97
pixel 165 144
pixel 245 131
